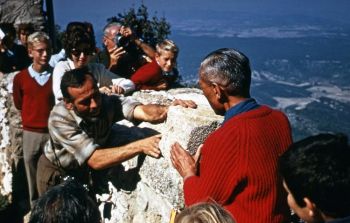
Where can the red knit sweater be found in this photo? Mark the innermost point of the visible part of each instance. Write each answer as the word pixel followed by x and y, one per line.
pixel 238 167
pixel 147 76
pixel 34 101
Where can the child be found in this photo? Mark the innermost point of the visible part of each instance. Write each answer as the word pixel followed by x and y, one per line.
pixel 32 94
pixel 204 212
pixel 161 72
pixel 316 173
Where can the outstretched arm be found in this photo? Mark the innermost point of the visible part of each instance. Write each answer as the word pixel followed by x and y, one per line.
pixel 158 113
pixel 104 158
pixel 147 49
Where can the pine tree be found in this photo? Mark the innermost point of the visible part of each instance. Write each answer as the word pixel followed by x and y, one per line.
pixel 152 30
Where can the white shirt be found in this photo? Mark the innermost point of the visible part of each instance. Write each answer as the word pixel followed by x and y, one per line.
pixel 57 58
pixel 41 78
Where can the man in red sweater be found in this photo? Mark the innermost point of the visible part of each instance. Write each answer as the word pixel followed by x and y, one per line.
pixel 32 94
pixel 237 164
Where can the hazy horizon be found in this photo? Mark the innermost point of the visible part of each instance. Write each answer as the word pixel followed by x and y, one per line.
pixel 181 10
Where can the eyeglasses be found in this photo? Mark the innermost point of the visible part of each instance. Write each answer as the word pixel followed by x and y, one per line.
pixel 86 52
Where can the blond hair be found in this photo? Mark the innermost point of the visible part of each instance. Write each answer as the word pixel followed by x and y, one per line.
pixel 204 213
pixel 37 37
pixel 167 45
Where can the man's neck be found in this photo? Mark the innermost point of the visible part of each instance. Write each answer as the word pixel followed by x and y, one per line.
pixel 233 101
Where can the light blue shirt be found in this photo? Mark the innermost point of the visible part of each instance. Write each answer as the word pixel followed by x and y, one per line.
pixel 57 58
pixel 41 78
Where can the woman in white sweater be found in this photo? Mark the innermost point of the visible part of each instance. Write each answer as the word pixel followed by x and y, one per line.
pixel 80 46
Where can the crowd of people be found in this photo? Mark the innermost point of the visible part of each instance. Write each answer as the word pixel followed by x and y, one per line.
pixel 248 170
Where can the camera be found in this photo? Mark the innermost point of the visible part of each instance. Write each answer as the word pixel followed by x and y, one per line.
pixel 122 41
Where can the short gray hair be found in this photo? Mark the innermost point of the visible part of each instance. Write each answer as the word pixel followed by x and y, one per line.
pixel 110 25
pixel 228 68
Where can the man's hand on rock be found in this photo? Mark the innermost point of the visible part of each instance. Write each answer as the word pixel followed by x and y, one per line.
pixel 182 161
pixel 184 103
pixel 150 146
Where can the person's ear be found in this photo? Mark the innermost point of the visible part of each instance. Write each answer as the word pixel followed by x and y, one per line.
pixel 219 92
pixel 30 52
pixel 157 56
pixel 104 41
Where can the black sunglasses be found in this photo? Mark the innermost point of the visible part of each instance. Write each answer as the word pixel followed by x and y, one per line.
pixel 86 52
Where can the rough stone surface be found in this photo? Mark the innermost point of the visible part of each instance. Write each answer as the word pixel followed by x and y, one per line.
pixel 142 189
pixel 159 187
pixel 22 11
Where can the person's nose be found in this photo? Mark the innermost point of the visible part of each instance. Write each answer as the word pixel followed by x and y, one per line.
pixel 82 55
pixel 45 53
pixel 93 104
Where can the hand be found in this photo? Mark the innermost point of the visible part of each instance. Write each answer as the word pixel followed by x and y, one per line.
pixel 150 146
pixel 150 113
pixel 105 90
pixel 184 103
pixel 126 31
pixel 182 161
pixel 114 55
pixel 163 85
pixel 117 89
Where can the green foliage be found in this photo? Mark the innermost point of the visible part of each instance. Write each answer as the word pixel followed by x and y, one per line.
pixel 152 30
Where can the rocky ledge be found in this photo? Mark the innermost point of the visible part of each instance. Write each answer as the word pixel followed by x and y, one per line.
pixel 142 189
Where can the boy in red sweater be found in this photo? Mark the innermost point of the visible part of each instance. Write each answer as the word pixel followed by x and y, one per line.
pixel 32 94
pixel 161 72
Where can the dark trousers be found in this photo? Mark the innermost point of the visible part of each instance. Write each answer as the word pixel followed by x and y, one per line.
pixel 48 175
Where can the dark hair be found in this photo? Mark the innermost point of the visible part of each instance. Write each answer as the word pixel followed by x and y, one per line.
pixel 74 78
pixel 8 28
pixel 68 202
pixel 10 34
pixel 228 68
pixel 28 27
pixel 318 168
pixel 78 33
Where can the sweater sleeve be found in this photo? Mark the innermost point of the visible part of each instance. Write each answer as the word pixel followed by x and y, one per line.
pixel 147 75
pixel 74 143
pixel 107 78
pixel 222 170
pixel 17 91
pixel 60 68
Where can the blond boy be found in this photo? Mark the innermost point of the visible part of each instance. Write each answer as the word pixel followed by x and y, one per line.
pixel 33 96
pixel 161 72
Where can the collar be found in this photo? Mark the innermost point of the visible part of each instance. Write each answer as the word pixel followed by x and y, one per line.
pixel 244 106
pixel 34 73
pixel 70 64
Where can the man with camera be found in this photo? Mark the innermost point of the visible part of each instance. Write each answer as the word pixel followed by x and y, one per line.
pixel 123 52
